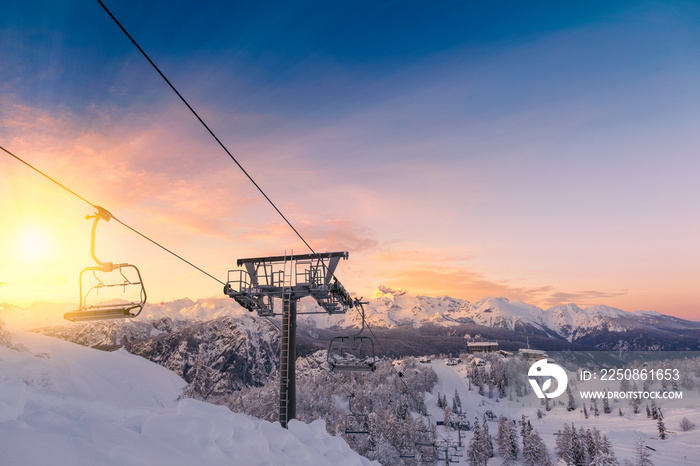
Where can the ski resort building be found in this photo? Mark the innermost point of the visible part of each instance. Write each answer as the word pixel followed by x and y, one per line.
pixel 532 354
pixel 482 347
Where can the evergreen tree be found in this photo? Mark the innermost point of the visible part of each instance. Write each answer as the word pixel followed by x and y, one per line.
pixel 476 454
pixel 571 404
pixel 534 450
pixel 585 411
pixel 606 405
pixel 648 412
pixel 447 417
pixel 523 428
pixel 507 440
pixel 578 454
pixel 563 446
pixel 571 446
pixel 486 438
pixel 590 445
pixel 634 403
pixel 662 429
pixel 641 455
pixel 605 455
pixel 624 385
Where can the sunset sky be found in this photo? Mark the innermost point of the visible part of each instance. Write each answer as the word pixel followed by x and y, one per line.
pixel 542 151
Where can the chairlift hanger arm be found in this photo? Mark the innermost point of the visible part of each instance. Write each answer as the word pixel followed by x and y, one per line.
pixel 101 214
pixel 297 257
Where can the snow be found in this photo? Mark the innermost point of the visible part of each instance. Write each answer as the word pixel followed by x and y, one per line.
pixel 679 449
pixel 64 404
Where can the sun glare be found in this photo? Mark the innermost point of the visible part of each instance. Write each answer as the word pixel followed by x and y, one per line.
pixel 34 245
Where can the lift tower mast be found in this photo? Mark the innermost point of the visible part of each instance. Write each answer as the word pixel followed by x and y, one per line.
pixel 288 278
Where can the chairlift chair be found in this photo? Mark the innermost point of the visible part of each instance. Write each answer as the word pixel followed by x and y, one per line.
pixel 427 452
pixel 352 353
pixel 407 452
pixel 356 423
pixel 107 275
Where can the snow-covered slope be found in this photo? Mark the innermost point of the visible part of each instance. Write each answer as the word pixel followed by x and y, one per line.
pixel 64 404
pixel 680 448
pixel 572 322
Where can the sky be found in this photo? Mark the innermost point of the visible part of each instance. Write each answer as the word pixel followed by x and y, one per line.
pixel 541 151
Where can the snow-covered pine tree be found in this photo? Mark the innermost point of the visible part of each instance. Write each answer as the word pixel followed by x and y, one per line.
pixel 605 455
pixel 570 446
pixel 486 438
pixel 641 454
pixel 507 440
pixel 476 454
pixel 534 450
pixel 578 452
pixel 606 405
pixel 571 404
pixel 457 401
pixel 589 445
pixel 563 445
pixel 585 411
pixel 661 427
pixel 523 428
pixel 634 402
pixel 447 417
pixel 624 385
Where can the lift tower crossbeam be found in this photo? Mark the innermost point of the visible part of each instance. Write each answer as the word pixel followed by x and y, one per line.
pixel 288 278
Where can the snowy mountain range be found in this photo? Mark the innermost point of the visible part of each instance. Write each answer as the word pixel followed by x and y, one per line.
pixel 599 326
pixel 595 327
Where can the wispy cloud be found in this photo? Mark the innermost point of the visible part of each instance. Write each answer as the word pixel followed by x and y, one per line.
pixel 582 298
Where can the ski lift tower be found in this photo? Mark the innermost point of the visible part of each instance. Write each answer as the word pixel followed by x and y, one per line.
pixel 288 278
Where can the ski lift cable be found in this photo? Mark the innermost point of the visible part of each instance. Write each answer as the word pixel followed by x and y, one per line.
pixel 213 135
pixel 111 215
pixel 221 144
pixel 415 400
pixel 209 130
pixel 343 384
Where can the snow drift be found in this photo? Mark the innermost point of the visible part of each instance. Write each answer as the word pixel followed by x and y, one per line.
pixel 65 404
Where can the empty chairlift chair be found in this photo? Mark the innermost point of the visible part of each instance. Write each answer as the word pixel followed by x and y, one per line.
pixel 352 353
pixel 407 452
pixel 107 276
pixel 356 423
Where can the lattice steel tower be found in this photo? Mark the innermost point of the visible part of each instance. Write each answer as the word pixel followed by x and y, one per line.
pixel 288 278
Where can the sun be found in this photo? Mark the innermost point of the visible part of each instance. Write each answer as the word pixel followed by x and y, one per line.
pixel 34 245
